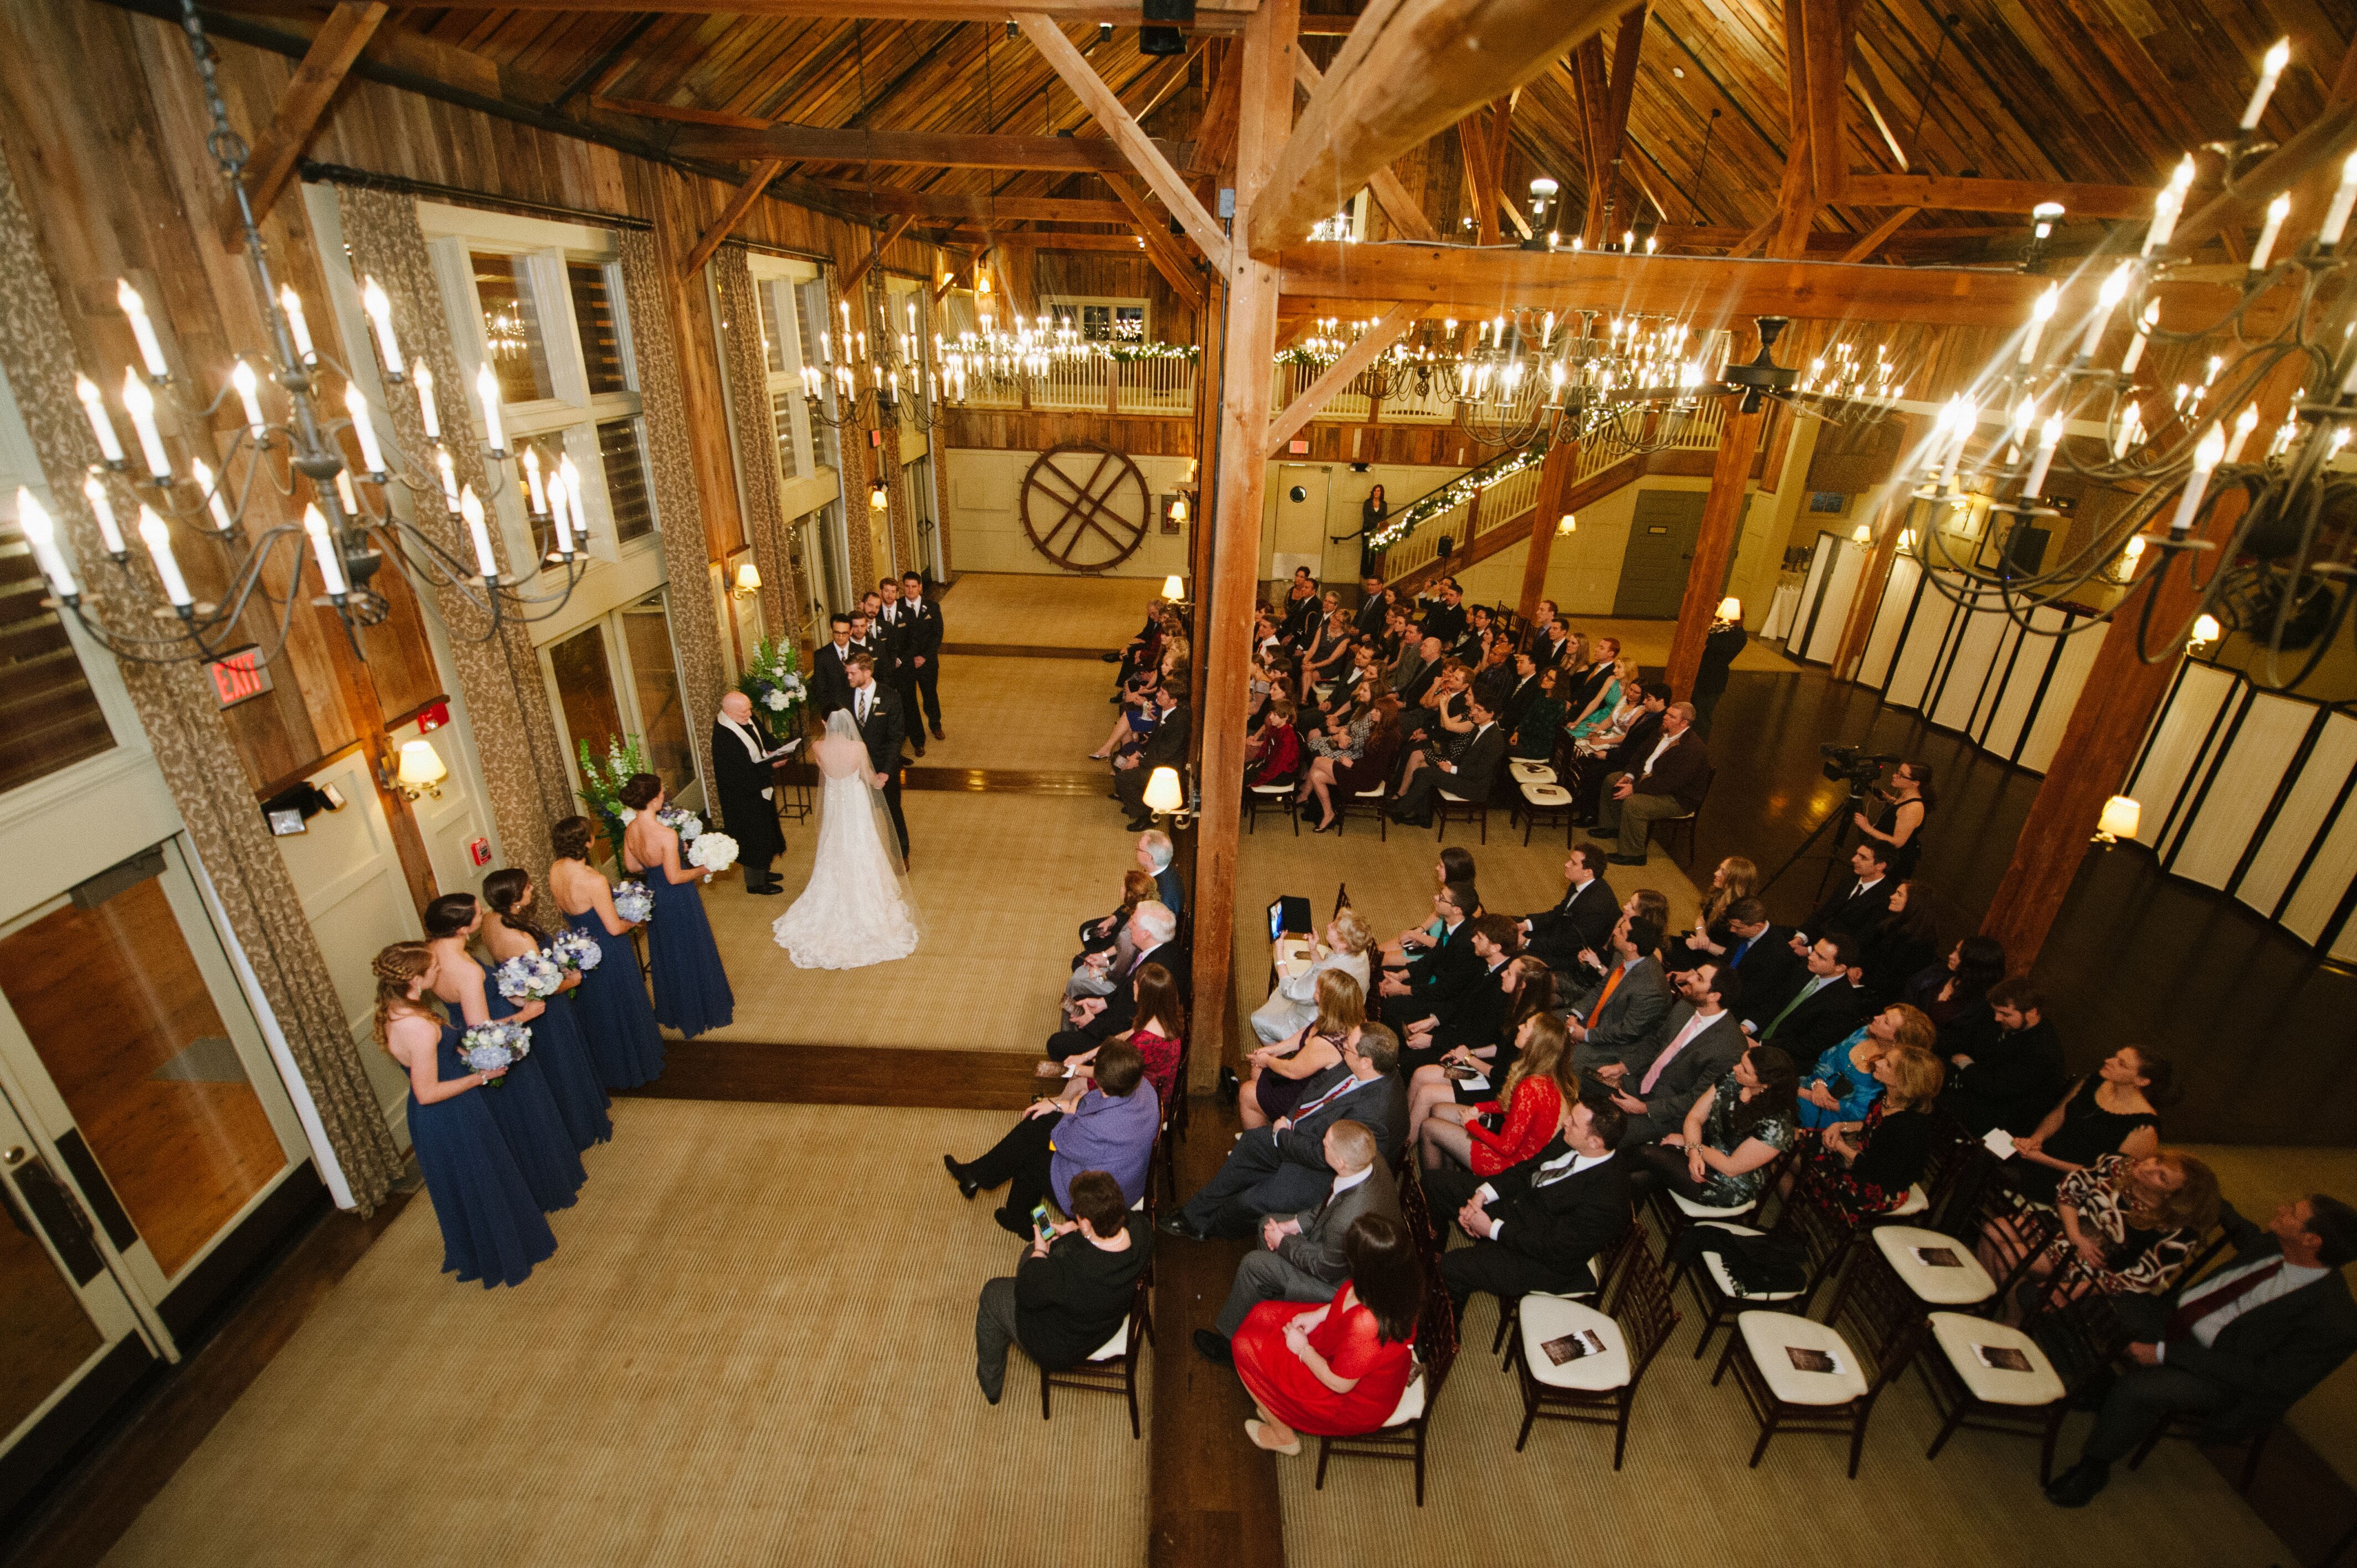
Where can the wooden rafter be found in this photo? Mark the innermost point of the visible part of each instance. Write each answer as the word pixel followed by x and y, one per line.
pixel 1006 208
pixel 1824 38
pixel 739 203
pixel 1881 108
pixel 820 145
pixel 883 242
pixel 1943 193
pixel 271 165
pixel 1338 375
pixel 685 116
pixel 1875 236
pixel 1154 231
pixel 1796 198
pixel 1390 194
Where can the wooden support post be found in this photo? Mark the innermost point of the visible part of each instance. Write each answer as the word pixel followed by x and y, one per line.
pixel 276 152
pixel 1554 486
pixel 738 205
pixel 1825 34
pixel 1722 527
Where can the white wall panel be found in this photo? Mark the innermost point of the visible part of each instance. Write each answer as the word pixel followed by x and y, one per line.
pixel 1917 661
pixel 2247 775
pixel 1847 564
pixel 2295 828
pixel 1979 648
pixel 2061 695
pixel 2177 741
pixel 1882 642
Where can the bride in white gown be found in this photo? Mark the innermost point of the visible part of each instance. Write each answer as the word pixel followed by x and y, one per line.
pixel 857 909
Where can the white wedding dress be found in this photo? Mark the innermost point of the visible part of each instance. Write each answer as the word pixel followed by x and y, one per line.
pixel 856 910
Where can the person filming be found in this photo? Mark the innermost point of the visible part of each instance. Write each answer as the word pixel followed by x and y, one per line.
pixel 1897 825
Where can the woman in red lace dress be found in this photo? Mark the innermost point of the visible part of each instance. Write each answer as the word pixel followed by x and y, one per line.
pixel 1528 1106
pixel 1338 1370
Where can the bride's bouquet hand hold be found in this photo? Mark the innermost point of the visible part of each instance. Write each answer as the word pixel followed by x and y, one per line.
pixel 713 852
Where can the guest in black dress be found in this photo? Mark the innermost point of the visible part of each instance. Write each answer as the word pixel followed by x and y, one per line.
pixel 1899 825
pixel 1955 995
pixel 1902 943
pixel 2111 1111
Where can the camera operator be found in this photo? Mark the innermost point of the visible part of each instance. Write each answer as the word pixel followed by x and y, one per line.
pixel 1907 801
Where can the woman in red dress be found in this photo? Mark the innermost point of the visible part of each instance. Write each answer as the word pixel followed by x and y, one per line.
pixel 1338 1370
pixel 1528 1106
pixel 1158 1035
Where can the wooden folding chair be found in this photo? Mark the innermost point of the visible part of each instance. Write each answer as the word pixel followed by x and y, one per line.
pixel 1598 1389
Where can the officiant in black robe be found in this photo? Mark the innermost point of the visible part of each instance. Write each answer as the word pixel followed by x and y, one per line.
pixel 743 752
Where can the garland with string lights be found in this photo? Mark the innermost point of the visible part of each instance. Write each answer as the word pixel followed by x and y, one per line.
pixel 1456 492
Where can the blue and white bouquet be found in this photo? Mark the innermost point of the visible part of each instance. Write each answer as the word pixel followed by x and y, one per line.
pixel 685 823
pixel 575 949
pixel 494 1048
pixel 774 681
pixel 530 977
pixel 633 902
pixel 711 852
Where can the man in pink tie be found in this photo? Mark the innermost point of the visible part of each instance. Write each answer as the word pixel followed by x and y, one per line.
pixel 2239 1348
pixel 1705 1042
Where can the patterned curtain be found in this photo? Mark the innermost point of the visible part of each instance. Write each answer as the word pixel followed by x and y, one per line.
pixel 756 440
pixel 522 761
pixel 181 714
pixel 859 532
pixel 679 507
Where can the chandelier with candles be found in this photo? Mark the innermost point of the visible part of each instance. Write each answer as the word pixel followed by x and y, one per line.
pixel 296 451
pixel 2171 419
pixel 878 371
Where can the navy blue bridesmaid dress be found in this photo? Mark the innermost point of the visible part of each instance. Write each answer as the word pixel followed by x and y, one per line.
pixel 493 1230
pixel 617 1022
pixel 525 1108
pixel 692 991
pixel 556 1041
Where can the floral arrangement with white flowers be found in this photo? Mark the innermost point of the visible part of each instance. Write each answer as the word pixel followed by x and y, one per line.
pixel 530 977
pixel 772 678
pixel 575 949
pixel 491 1047
pixel 713 852
pixel 602 780
pixel 683 823
pixel 633 902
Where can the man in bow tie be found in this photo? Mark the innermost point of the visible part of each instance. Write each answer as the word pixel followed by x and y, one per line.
pixel 876 709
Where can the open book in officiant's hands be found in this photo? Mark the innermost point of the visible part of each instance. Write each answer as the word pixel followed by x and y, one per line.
pixel 788 746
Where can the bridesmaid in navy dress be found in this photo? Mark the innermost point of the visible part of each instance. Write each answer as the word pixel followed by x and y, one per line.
pixel 493 1231
pixel 616 1020
pixel 692 993
pixel 523 1105
pixel 557 1035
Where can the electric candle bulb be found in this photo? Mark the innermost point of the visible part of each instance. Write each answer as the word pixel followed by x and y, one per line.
pixel 472 511
pixel 2243 428
pixel 2131 430
pixel 241 377
pixel 572 477
pixel 487 391
pixel 2144 324
pixel 159 540
pixel 531 479
pixel 2164 220
pixel 2132 553
pixel 2336 217
pixel 2206 458
pixel 291 304
pixel 151 350
pixel 560 508
pixel 2039 314
pixel 201 475
pixel 323 549
pixel 2114 289
pixel 140 403
pixel 93 403
pixel 2277 210
pixel 344 493
pixel 425 409
pixel 356 404
pixel 449 477
pixel 2271 71
pixel 42 535
pixel 2049 438
pixel 102 507
pixel 380 314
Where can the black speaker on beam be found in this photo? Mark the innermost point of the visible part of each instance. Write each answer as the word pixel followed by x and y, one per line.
pixel 2024 550
pixel 1165 39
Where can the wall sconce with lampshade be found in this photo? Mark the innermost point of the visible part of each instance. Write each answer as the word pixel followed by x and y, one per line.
pixel 1566 526
pixel 2122 817
pixel 1166 798
pixel 748 580
pixel 878 498
pixel 416 770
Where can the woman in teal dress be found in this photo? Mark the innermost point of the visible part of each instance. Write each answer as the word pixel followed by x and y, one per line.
pixel 523 1105
pixel 1534 732
pixel 1841 1085
pixel 1601 714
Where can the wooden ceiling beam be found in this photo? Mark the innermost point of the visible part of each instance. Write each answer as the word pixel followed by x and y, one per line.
pixel 739 203
pixel 1882 231
pixel 1408 69
pixel 646 111
pixel 1390 194
pixel 1357 357
pixel 1143 153
pixel 1824 38
pixel 818 145
pixel 1211 16
pixel 1155 230
pixel 1881 107
pixel 1951 194
pixel 876 247
pixel 1481 137
pixel 1796 197
pixel 1012 209
pixel 271 164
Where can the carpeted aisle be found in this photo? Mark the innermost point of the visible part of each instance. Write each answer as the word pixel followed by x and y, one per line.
pixel 730 1361
pixel 1046 610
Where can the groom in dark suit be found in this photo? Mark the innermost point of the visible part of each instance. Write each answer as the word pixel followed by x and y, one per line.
pixel 742 752
pixel 876 709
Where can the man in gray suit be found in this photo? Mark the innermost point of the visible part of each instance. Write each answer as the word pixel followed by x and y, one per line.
pixel 1621 1021
pixel 1301 1256
pixel 1704 1042
pixel 1281 1168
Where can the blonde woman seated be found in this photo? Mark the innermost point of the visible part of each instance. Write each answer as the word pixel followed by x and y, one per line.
pixel 1293 1006
pixel 1274 1074
pixel 1528 1106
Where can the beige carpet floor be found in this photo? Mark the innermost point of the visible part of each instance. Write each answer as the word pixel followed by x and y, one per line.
pixel 1038 611
pixel 1021 713
pixel 1685 1498
pixel 730 1361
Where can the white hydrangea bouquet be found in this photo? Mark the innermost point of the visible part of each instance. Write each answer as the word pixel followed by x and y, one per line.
pixel 685 823
pixel 494 1048
pixel 633 902
pixel 575 949
pixel 530 977
pixel 775 684
pixel 713 852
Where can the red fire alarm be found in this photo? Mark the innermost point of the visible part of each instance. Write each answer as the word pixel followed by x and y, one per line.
pixel 1296 447
pixel 479 851
pixel 432 716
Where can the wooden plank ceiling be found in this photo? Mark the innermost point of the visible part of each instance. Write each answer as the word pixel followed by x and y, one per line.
pixel 2098 91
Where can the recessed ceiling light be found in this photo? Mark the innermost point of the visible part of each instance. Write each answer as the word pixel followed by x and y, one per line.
pixel 1679 71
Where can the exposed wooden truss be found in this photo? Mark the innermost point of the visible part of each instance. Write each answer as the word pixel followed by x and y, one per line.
pixel 730 215
pixel 272 162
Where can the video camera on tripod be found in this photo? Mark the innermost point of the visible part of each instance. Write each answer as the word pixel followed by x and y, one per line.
pixel 1848 765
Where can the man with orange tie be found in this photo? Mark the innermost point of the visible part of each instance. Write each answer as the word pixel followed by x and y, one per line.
pixel 2239 1348
pixel 1622 1023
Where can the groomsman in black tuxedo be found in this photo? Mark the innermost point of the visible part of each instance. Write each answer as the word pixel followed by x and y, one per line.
pixel 922 675
pixel 742 751
pixel 830 679
pixel 876 709
pixel 864 639
pixel 893 626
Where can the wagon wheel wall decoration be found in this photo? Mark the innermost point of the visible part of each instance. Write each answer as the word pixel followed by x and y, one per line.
pixel 1085 507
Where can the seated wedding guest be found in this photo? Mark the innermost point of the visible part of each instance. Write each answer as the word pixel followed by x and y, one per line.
pixel 1841 1083
pixel 1705 1040
pixel 1418 667
pixel 1375 602
pixel 1273 752
pixel 1347 950
pixel 1153 930
pixel 1455 865
pixel 1603 665
pixel 1581 920
pixel 1107 939
pixel 1859 905
pixel 2240 1348
pixel 617 1021
pixel 1472 1016
pixel 1667 781
pixel 1760 954
pixel 1106 1122
pixel 1437 719
pixel 2011 1078
pixel 1867 1167
pixel 1165 747
pixel 2111 1111
pixel 1515 695
pixel 1071 1292
pixel 1613 707
pixel 1528 986
pixel 1527 1105
pixel 1739 1127
pixel 1341 739
pixel 1275 1074
pixel 1326 652
pixel 1532 728
pixel 1954 994
pixel 1599 756
pixel 1731 881
pixel 1441 973
pixel 2134 1223
pixel 1159 1036
pixel 1141 710
pixel 1472 776
pixel 1448 620
pixel 1898 946
pixel 1301 609
pixel 1826 1008
pixel 1333 778
pixel 1619 1022
pixel 1281 1168
pixel 1338 1370
pixel 1538 1225
pixel 1300 1256
pixel 1155 853
pixel 1147 646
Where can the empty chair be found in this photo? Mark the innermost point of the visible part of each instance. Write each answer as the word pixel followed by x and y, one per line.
pixel 1600 1385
